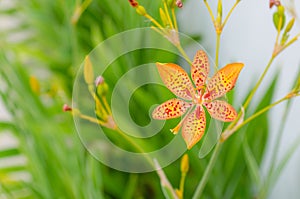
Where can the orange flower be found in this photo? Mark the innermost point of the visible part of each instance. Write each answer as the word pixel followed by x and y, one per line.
pixel 194 97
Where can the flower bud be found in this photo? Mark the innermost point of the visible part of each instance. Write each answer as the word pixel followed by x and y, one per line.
pixel 280 10
pixel 274 3
pixel 220 9
pixel 88 71
pixel 276 19
pixel 34 84
pixel 66 108
pixel 290 25
pixel 179 4
pixel 134 3
pixel 184 166
pixel 141 10
pixel 99 80
pixel 102 89
pixel 163 17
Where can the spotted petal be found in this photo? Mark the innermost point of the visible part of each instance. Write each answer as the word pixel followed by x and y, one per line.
pixel 176 80
pixel 221 110
pixel 170 109
pixel 200 69
pixel 223 81
pixel 194 127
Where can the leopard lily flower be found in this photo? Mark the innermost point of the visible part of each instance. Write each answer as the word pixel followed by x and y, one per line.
pixel 192 98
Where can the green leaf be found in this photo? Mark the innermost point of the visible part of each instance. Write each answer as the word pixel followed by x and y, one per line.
pixel 251 164
pixel 258 130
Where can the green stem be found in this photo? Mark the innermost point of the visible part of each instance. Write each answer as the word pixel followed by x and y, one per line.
pixel 136 146
pixel 248 100
pixel 207 172
pixel 218 38
pixel 229 13
pixel 181 185
pixel 259 113
pixel 180 49
pixel 209 10
pixel 288 44
pixel 258 83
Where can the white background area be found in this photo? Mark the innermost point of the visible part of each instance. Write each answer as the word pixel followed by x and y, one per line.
pixel 249 38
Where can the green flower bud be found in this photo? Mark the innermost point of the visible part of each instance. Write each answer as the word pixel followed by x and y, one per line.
pixel 141 10
pixel 163 17
pixel 35 85
pixel 184 166
pixel 290 25
pixel 88 71
pixel 102 89
pixel 280 10
pixel 276 20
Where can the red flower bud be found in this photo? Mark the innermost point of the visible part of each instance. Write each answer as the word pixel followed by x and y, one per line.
pixel 66 108
pixel 274 3
pixel 99 80
pixel 133 3
pixel 179 3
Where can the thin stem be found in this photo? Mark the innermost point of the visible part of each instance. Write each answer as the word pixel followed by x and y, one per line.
pixel 184 54
pixel 248 100
pixel 174 19
pixel 229 13
pixel 181 186
pixel 103 110
pixel 289 43
pixel 258 83
pixel 91 119
pixel 262 77
pixel 227 134
pixel 207 172
pixel 168 15
pixel 154 21
pixel 260 112
pixel 136 146
pixel 157 30
pixel 107 107
pixel 209 10
pixel 218 38
pixel 79 10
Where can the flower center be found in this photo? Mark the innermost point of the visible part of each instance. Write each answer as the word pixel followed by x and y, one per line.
pixel 197 99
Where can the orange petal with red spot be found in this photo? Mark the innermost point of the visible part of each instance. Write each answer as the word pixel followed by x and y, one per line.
pixel 176 80
pixel 200 69
pixel 221 110
pixel 223 81
pixel 193 127
pixel 170 109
